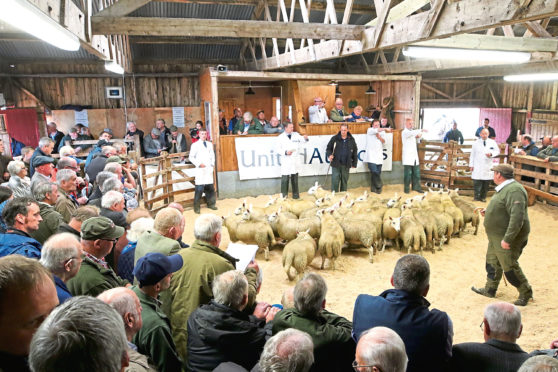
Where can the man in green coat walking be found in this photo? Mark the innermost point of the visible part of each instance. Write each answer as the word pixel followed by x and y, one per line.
pixel 507 226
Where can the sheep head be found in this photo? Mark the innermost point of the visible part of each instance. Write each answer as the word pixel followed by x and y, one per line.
pixel 395 223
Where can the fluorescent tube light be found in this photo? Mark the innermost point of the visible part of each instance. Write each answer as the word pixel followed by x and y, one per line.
pixel 114 67
pixel 546 76
pixel 467 54
pixel 28 18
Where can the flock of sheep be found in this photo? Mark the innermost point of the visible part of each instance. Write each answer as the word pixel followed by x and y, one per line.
pixel 325 222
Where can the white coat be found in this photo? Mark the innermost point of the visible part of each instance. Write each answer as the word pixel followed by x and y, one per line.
pixel 410 153
pixel 289 162
pixel 374 147
pixel 480 163
pixel 317 115
pixel 199 154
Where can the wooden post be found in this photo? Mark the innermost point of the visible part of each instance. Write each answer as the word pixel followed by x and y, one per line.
pixel 169 185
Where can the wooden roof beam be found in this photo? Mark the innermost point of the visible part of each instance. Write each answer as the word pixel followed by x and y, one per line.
pixel 476 41
pixel 122 8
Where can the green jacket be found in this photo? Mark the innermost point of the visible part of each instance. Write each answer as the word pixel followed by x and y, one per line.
pixel 191 286
pixel 550 152
pixel 92 279
pixel 334 115
pixel 154 339
pixel 255 127
pixel 506 216
pixel 49 225
pixel 65 205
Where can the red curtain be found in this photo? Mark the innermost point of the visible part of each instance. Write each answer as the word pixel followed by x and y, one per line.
pixel 500 120
pixel 23 125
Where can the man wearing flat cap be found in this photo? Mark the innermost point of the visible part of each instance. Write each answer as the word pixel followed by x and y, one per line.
pixel 154 272
pixel 44 169
pixel 176 141
pixel 98 236
pixel 507 226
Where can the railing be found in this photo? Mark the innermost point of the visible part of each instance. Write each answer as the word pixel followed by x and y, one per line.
pixel 539 178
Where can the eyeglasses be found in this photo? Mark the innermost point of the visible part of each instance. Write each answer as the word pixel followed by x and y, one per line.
pixel 482 325
pixel 356 366
pixel 113 241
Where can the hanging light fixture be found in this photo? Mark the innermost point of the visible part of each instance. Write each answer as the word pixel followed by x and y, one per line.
pixel 332 83
pixel 337 91
pixel 250 91
pixel 370 90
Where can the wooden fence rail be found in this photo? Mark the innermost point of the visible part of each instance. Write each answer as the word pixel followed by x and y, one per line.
pixel 539 178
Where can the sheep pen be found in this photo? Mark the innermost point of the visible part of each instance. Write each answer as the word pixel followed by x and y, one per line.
pixel 453 271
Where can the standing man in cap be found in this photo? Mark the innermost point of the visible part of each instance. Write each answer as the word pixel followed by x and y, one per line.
pixel 203 157
pixel 98 235
pixel 288 144
pixel 480 162
pixel 176 141
pixel 507 226
pixel 44 170
pixel 46 145
pixel 154 272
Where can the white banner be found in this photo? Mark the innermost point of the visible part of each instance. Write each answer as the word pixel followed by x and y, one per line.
pixel 258 158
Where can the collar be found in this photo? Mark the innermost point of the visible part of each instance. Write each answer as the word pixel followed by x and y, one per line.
pixel 12 230
pixel 503 184
pixel 401 295
pixel 60 283
pixel 99 261
pixel 509 346
pixel 204 246
pixel 132 346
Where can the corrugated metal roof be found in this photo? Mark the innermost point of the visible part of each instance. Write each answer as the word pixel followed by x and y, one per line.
pixel 38 50
pixel 208 11
pixel 185 51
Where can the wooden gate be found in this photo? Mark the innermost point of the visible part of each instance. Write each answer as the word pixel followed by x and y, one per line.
pixel 539 178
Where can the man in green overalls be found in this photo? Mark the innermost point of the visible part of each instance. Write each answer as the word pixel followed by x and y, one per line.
pixel 507 226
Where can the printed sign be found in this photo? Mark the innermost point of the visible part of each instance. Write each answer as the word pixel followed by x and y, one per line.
pixel 178 117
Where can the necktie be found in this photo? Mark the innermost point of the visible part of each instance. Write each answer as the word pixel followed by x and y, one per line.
pixel 340 112
pixel 484 143
pixel 205 144
pixel 289 135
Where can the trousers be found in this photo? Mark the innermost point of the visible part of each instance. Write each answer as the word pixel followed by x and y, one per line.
pixel 411 175
pixel 285 185
pixel 375 177
pixel 480 189
pixel 339 178
pixel 209 195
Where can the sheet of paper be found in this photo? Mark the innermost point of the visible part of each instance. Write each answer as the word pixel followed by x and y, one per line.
pixel 81 117
pixel 178 116
pixel 244 253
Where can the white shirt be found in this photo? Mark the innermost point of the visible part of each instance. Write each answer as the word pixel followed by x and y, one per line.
pixel 478 160
pixel 289 163
pixel 503 184
pixel 409 141
pixel 317 115
pixel 374 147
pixel 200 154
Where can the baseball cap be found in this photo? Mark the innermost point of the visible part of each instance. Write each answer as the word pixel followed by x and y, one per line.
pixel 41 160
pixel 100 228
pixel 505 170
pixel 115 159
pixel 108 130
pixel 153 267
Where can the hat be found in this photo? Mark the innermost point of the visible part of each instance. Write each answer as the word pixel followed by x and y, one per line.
pixel 505 170
pixel 153 267
pixel 115 159
pixel 100 228
pixel 108 130
pixel 262 111
pixel 156 131
pixel 173 128
pixel 41 160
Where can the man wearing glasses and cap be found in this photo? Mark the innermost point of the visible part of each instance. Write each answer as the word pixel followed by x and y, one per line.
pixel 98 236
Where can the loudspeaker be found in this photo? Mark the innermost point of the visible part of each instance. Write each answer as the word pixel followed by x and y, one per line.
pixel 222 68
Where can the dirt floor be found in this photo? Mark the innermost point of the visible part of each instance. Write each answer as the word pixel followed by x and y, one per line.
pixel 453 271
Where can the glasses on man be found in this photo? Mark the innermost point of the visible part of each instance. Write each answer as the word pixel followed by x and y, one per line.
pixel 356 366
pixel 113 241
pixel 482 325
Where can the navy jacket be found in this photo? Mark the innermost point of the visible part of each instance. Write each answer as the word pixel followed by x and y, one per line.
pixel 18 242
pixel 491 132
pixel 427 334
pixel 345 152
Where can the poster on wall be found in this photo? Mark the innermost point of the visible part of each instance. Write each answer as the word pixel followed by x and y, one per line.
pixel 258 158
pixel 178 117
pixel 207 113
pixel 81 117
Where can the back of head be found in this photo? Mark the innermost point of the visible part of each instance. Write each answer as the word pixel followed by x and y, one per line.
pixel 309 294
pixel 85 212
pixel 540 363
pixel 20 274
pixel 65 162
pixel 412 274
pixel 167 218
pixel 112 167
pixel 66 151
pixel 137 214
pixel 231 289
pixel 45 141
pixel 138 227
pixel 121 299
pixel 290 350
pixel 206 226
pixel 110 198
pixel 383 348
pixel 111 184
pixel 108 150
pixel 103 176
pixel 83 334
pixel 504 320
pixel 41 190
pixel 5 193
pixel 57 250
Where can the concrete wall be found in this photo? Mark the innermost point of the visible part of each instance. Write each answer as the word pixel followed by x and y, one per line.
pixel 230 186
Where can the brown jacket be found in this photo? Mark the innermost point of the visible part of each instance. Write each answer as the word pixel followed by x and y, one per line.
pixel 65 205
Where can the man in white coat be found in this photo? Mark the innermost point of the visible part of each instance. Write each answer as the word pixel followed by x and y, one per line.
pixel 411 169
pixel 481 161
pixel 317 112
pixel 375 139
pixel 288 144
pixel 203 157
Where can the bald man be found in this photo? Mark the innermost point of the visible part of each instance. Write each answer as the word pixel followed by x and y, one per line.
pixel 381 348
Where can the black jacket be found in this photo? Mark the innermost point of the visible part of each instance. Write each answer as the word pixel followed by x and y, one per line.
pixel 97 165
pixel 491 356
pixel 218 333
pixel 57 139
pixel 351 147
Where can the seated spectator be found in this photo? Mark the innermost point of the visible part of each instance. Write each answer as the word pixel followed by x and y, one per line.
pixel 98 235
pixel 85 132
pixel 46 195
pixel 317 112
pixel 500 352
pixel 179 208
pixel 247 125
pixel 287 300
pixel 235 120
pixel 114 165
pixel 19 182
pixel 528 146
pixel 127 305
pixel 427 334
pixel 380 350
pixel 121 148
pixel 356 115
pixel 540 363
pixel 26 154
pixel 103 141
pixel 68 151
pixel 273 126
pixel 384 122
pixel 176 141
pixel 126 259
pixel 288 350
pixel 22 216
pixel 80 193
pixel 551 152
pixel 66 204
pixel 338 113
pixel 112 207
pixel 62 256
pixel 161 125
pixel 98 162
pixel 220 332
pixel 454 135
pixel 108 132
pixel 154 272
pixel 260 118
pixel 79 216
pixel 55 135
pixel 5 196
pixel 545 142
pixel 4 161
pixel 223 130
pixel 111 184
pixel 334 348
pixel 153 144
pixel 44 166
pixel 28 296
pixel 46 145
pixel 98 182
pixel 195 132
pixel 191 285
pixel 94 338
pixel 133 131
pixel 67 140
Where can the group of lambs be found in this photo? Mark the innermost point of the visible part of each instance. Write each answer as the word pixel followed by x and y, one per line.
pixel 326 222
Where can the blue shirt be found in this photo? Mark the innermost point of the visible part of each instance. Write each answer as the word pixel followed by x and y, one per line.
pixel 62 291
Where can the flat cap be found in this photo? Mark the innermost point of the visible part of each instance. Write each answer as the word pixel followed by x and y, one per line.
pixel 41 160
pixel 115 159
pixel 100 228
pixel 505 170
